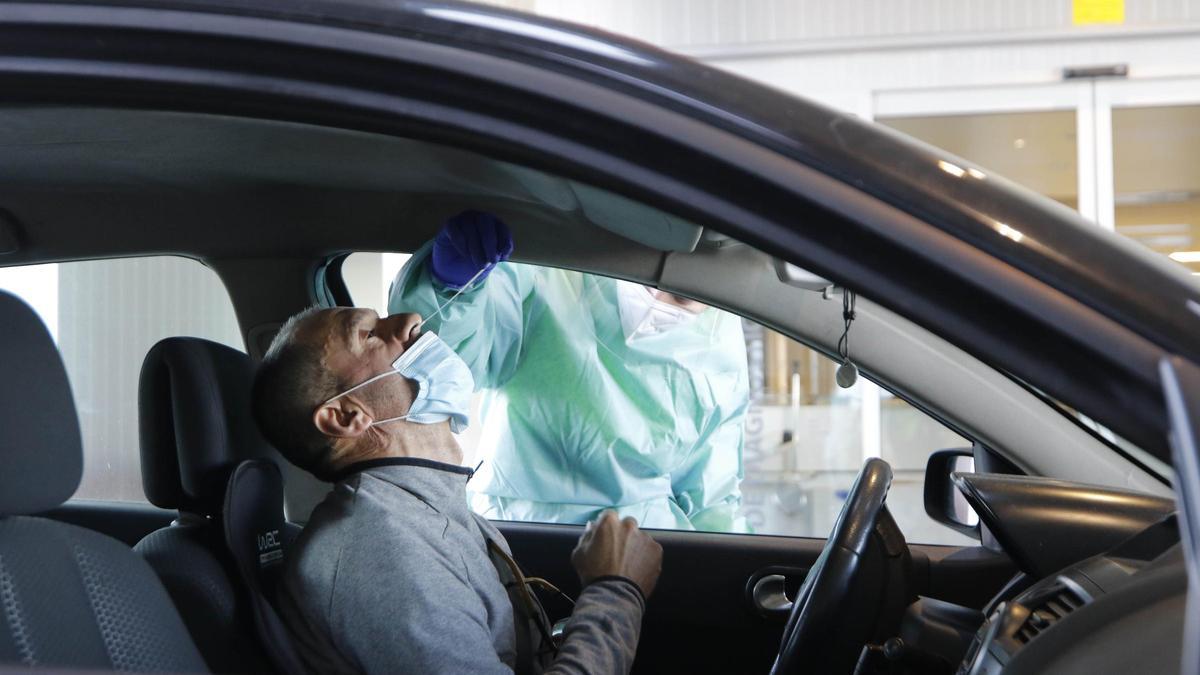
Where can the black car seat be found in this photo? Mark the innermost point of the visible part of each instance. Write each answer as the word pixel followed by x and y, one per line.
pixel 70 598
pixel 195 425
pixel 259 539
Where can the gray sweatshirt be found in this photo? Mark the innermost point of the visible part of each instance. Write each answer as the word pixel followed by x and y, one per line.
pixel 392 574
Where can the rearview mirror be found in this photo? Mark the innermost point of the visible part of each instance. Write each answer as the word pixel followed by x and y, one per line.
pixel 943 501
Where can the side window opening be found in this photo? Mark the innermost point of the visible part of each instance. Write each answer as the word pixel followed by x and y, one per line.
pixel 105 315
pixel 801 438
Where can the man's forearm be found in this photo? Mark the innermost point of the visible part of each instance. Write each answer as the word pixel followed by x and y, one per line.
pixel 602 634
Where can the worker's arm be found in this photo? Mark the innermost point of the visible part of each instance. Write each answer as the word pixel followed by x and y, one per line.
pixel 707 483
pixel 707 486
pixel 485 324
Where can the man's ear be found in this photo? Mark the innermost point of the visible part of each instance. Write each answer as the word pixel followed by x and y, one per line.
pixel 341 419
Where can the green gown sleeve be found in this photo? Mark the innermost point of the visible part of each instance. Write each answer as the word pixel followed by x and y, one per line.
pixel 706 486
pixel 485 325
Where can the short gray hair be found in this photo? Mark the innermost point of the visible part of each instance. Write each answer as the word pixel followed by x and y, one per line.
pixel 291 382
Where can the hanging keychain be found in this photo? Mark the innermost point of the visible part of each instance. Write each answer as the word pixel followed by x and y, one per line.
pixel 847 373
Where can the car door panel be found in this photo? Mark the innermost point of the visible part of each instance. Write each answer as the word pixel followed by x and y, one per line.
pixel 700 617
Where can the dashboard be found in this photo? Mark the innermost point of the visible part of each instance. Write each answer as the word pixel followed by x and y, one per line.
pixel 1117 612
pixel 1101 584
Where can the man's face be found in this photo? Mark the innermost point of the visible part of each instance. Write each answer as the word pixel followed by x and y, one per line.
pixel 359 345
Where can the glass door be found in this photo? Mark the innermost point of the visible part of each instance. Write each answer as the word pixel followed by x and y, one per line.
pixel 1151 192
pixel 1124 153
pixel 1038 136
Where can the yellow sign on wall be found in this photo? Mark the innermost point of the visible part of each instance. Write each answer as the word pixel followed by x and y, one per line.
pixel 1087 12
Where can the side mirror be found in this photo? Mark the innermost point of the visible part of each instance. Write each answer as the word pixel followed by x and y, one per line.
pixel 943 502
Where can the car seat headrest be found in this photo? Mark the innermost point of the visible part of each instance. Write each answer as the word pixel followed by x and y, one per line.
pixel 39 428
pixel 195 422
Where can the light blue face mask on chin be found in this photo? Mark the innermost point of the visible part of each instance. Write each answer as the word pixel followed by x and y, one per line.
pixel 444 384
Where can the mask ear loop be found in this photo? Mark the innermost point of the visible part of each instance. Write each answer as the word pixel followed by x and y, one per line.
pixel 390 419
pixel 465 287
pixel 358 386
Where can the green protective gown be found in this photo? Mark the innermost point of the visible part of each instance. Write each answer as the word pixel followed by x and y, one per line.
pixel 576 417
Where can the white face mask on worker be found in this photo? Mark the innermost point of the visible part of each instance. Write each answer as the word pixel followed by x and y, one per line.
pixel 642 314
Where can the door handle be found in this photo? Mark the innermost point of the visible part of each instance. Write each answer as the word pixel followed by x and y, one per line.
pixel 766 590
pixel 770 594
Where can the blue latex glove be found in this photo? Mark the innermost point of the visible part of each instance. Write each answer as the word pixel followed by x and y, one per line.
pixel 468 243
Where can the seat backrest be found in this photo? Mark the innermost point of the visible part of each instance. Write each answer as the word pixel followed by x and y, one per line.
pixel 195 426
pixel 70 598
pixel 259 538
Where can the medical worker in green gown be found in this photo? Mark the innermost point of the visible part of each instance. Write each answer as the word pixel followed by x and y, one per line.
pixel 600 393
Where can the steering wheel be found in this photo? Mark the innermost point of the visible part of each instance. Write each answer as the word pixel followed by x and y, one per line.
pixel 850 596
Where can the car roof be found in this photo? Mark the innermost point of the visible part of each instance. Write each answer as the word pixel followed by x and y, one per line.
pixel 108 182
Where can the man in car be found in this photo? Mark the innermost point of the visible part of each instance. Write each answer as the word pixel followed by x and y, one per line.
pixel 601 393
pixel 393 572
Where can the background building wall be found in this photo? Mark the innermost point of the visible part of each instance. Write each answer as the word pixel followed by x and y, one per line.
pixel 842 53
pixel 701 26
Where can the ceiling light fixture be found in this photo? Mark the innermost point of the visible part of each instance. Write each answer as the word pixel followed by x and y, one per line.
pixel 1186 256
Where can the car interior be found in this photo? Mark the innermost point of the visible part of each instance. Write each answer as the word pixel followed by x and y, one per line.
pixel 1072 548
